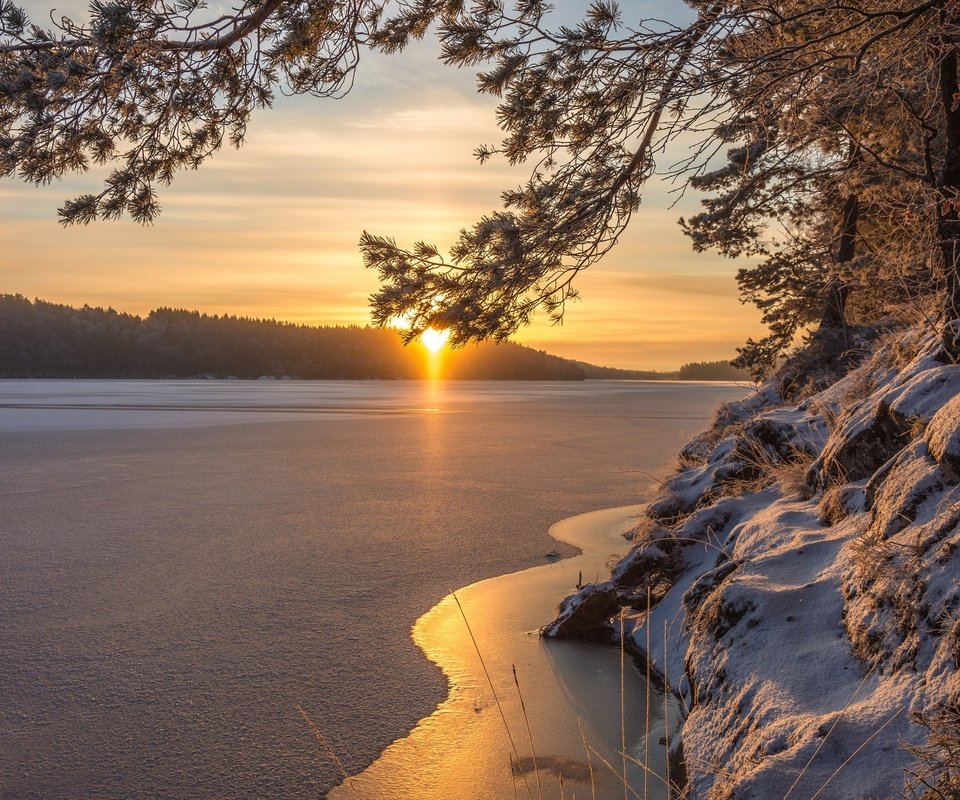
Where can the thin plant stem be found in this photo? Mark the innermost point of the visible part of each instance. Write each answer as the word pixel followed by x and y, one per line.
pixel 666 705
pixel 586 747
pixel 854 754
pixel 613 769
pixel 328 747
pixel 623 723
pixel 646 711
pixel 526 720
pixel 646 769
pixel 823 741
pixel 710 767
pixel 917 777
pixel 496 699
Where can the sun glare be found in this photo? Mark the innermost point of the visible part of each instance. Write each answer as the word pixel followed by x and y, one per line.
pixel 433 339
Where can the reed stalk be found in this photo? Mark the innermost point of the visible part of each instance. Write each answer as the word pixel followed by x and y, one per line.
pixel 823 741
pixel 666 705
pixel 854 754
pixel 586 747
pixel 496 698
pixel 626 786
pixel 646 711
pixel 526 720
pixel 329 748
pixel 647 769
pixel 623 724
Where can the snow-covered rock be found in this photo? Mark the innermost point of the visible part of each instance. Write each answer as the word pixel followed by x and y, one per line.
pixel 943 436
pixel 804 571
pixel 923 395
pixel 586 614
pixel 864 439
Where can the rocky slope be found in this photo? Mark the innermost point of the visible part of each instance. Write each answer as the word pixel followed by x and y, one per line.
pixel 803 581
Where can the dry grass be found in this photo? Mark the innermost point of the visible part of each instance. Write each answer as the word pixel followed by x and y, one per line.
pixel 916 427
pixel 810 387
pixel 645 530
pixel 828 412
pixel 791 477
pixel 833 505
pixel 764 467
pixel 896 347
pixel 860 385
pixel 883 597
pixel 688 460
pixel 936 773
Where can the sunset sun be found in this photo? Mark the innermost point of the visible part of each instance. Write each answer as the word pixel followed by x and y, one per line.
pixel 433 339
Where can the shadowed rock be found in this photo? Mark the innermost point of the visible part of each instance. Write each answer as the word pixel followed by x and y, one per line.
pixel 863 442
pixel 586 614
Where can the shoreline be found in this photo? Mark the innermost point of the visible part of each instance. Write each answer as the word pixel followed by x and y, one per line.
pixel 461 748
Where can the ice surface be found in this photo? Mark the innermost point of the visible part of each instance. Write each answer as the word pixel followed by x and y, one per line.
pixel 182 563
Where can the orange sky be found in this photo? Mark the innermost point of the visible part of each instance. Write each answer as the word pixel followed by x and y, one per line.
pixel 272 230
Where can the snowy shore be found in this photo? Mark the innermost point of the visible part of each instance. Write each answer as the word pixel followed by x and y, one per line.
pixel 804 585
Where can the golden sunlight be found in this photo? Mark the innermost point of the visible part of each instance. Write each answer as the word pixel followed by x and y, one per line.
pixel 433 339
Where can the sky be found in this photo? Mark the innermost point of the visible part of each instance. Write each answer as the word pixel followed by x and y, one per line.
pixel 271 230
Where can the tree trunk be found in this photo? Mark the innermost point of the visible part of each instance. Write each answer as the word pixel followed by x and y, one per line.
pixel 833 315
pixel 948 227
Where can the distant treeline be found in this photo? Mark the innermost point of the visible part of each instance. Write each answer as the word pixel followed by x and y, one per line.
pixel 695 371
pixel 46 340
pixel 712 371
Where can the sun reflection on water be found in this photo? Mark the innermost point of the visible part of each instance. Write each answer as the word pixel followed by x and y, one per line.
pixel 433 342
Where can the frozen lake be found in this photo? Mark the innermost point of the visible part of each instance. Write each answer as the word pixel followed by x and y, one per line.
pixel 182 563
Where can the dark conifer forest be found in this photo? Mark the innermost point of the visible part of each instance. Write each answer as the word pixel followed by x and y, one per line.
pixel 39 339
pixel 47 340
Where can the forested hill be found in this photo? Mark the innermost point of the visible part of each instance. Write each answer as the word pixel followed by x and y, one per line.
pixel 694 371
pixel 47 340
pixel 41 339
